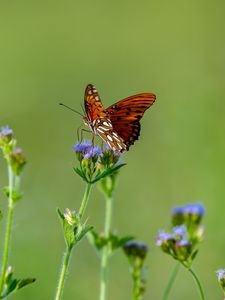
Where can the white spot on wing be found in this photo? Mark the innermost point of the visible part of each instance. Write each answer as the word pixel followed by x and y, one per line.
pixel 90 92
pixel 109 138
pixel 120 147
pixel 103 128
pixel 107 124
pixel 96 98
pixel 99 130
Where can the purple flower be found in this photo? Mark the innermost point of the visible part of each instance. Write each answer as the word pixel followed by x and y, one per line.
pixel 183 243
pixel 86 150
pixel 190 209
pixel 83 147
pixel 6 131
pixel 163 237
pixel 135 249
pixel 92 152
pixel 5 135
pixel 179 231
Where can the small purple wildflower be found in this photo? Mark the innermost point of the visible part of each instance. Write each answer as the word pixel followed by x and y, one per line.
pixel 183 243
pixel 92 152
pixel 6 131
pixel 135 249
pixel 83 147
pixel 179 231
pixel 86 150
pixel 163 237
pixel 195 209
pixel 5 135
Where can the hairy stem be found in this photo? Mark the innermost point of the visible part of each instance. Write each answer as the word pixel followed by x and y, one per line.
pixel 8 228
pixel 62 277
pixel 68 252
pixel 106 250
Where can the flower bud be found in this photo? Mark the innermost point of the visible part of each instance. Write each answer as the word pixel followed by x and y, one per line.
pixel 71 217
pixel 6 136
pixel 17 161
pixel 135 249
pixel 221 278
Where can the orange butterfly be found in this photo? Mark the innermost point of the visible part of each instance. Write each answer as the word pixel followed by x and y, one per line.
pixel 118 125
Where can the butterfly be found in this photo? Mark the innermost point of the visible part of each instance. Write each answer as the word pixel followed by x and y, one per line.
pixel 119 124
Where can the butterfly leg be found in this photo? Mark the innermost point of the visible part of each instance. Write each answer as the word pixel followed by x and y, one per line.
pixel 93 140
pixel 79 133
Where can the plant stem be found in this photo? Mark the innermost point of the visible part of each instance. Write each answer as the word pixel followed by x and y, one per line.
pixel 85 200
pixel 8 229
pixel 63 273
pixel 106 249
pixel 198 283
pixel 136 275
pixel 171 281
pixel 68 252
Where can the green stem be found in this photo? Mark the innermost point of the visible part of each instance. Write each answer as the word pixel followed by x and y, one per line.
pixel 198 283
pixel 8 229
pixel 63 273
pixel 106 249
pixel 171 281
pixel 136 275
pixel 68 252
pixel 85 200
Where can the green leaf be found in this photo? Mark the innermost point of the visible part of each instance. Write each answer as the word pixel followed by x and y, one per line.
pixel 107 172
pixel 97 240
pixel 23 282
pixel 122 241
pixel 81 174
pixel 60 214
pixel 194 254
pixel 15 194
pixel 86 228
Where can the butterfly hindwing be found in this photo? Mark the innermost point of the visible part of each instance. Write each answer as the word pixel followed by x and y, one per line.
pixel 126 114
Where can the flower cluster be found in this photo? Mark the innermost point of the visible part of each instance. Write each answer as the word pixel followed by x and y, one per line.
pixel 186 233
pixel 12 154
pixel 95 163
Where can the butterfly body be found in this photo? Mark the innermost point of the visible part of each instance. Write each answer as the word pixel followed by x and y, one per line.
pixel 118 125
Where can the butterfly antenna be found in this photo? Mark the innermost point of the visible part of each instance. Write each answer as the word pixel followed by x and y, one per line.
pixel 71 109
pixel 82 108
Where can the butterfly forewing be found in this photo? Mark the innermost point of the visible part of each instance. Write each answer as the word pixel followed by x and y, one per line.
pixel 93 104
pixel 98 121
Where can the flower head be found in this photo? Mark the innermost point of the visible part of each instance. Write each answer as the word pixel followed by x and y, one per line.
pixel 85 150
pixel 6 135
pixel 135 249
pixel 17 161
pixel 221 278
pixel 163 238
pixel 71 217
pixel 189 214
pixel 179 231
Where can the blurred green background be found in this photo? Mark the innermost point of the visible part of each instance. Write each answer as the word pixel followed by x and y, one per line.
pixel 49 51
